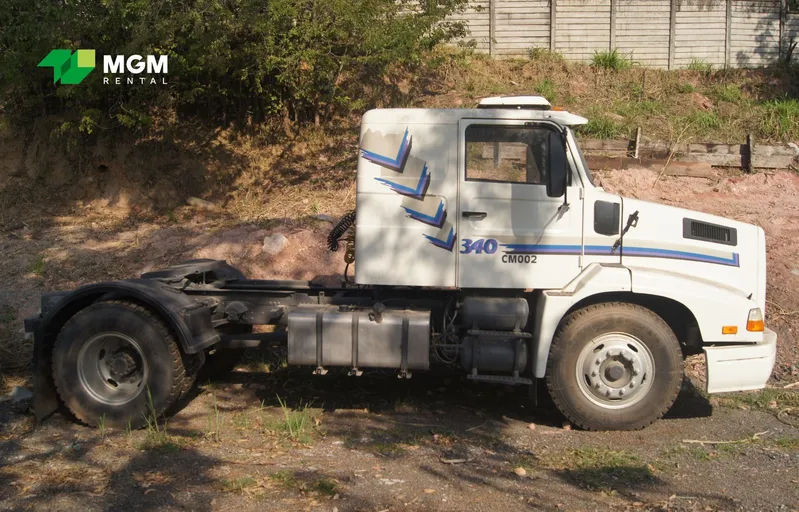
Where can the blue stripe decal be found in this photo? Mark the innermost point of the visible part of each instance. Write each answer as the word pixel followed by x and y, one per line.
pixel 646 252
pixel 416 193
pixel 436 221
pixel 397 163
pixel 641 252
pixel 447 244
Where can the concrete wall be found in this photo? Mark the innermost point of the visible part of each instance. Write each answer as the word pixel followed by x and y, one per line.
pixel 655 33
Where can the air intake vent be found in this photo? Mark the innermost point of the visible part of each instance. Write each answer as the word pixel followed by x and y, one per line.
pixel 698 230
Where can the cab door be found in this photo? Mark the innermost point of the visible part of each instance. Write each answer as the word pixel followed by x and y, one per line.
pixel 510 233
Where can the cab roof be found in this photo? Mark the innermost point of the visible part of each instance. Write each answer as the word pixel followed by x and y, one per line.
pixel 527 108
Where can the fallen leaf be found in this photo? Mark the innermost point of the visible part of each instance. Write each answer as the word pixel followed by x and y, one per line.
pixel 429 491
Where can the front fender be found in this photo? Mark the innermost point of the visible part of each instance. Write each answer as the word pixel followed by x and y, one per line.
pixel 553 305
pixel 713 304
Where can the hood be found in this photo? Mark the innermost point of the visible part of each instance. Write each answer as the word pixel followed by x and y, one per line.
pixel 728 253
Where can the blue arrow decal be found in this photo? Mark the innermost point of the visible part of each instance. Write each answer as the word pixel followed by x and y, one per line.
pixel 437 221
pixel 396 163
pixel 416 193
pixel 447 244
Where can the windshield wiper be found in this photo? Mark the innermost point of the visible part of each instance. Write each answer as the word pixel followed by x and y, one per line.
pixel 632 221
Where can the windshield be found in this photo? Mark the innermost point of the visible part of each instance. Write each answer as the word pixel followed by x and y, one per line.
pixel 581 157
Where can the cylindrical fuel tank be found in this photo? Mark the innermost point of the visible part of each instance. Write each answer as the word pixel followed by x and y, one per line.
pixel 494 354
pixel 494 313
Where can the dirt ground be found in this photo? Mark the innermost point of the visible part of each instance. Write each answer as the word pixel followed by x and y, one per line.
pixel 272 438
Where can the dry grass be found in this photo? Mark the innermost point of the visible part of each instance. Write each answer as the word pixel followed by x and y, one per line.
pixel 56 476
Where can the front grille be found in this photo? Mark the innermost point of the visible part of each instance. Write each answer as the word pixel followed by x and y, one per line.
pixel 698 230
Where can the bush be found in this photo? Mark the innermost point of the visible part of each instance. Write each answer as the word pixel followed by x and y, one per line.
pixel 611 61
pixel 229 60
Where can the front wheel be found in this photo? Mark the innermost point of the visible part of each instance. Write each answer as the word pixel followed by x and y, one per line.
pixel 118 364
pixel 614 366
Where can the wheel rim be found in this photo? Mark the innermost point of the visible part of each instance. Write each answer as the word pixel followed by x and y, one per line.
pixel 112 368
pixel 615 370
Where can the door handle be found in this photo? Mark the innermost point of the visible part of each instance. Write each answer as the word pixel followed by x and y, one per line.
pixel 474 215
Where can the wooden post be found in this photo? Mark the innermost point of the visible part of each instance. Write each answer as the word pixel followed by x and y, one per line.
pixel 675 5
pixel 728 36
pixel 553 15
pixel 612 42
pixel 492 27
pixel 748 158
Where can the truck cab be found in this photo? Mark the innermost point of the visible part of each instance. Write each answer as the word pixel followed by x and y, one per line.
pixel 501 197
pixel 481 242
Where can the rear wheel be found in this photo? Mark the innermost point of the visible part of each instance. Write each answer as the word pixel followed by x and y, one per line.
pixel 116 362
pixel 614 366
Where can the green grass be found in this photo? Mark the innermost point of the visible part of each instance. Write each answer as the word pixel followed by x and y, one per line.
pixel 297 423
pixel 388 449
pixel 781 118
pixel 102 427
pixel 769 398
pixel 216 422
pixel 685 88
pixel 611 61
pixel 730 93
pixel 601 128
pixel 7 314
pixel 635 109
pixel 602 468
pixel 547 89
pixel 325 487
pixel 700 65
pixel 786 443
pixel 156 435
pixel 545 55
pixel 239 484
pixel 37 265
pixel 703 121
pixel 286 479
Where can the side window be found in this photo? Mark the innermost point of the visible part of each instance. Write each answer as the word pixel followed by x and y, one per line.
pixel 507 154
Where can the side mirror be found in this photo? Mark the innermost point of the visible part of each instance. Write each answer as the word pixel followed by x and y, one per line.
pixel 557 165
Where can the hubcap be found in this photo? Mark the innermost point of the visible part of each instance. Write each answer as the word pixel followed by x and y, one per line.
pixel 615 370
pixel 111 368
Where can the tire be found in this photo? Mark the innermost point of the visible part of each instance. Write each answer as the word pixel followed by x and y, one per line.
pixel 110 358
pixel 614 366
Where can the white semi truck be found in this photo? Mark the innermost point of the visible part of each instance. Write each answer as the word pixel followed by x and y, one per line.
pixel 480 242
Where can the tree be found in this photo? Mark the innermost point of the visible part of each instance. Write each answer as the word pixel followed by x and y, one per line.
pixel 245 60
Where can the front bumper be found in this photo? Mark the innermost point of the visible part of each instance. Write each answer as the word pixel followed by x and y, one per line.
pixel 741 367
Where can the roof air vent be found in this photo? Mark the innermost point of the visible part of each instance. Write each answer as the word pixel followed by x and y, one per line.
pixel 516 103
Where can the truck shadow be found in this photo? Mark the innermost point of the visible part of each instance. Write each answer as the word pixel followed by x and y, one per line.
pixel 381 391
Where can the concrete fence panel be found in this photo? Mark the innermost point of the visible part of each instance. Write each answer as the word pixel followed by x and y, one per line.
pixel 655 33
